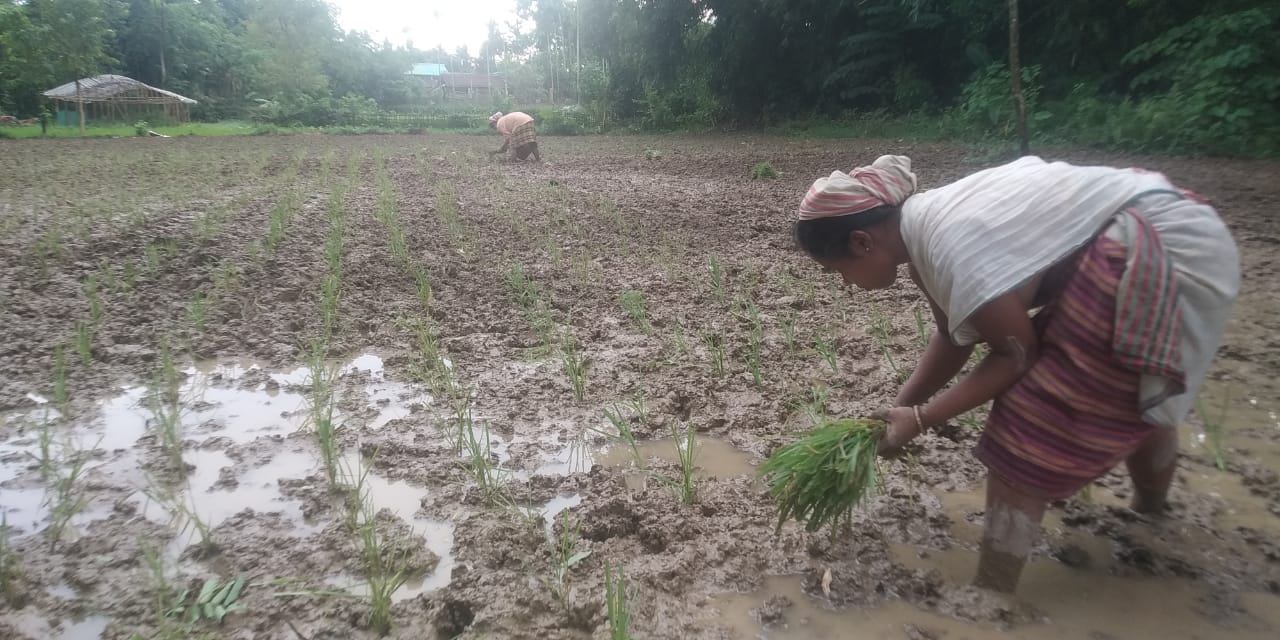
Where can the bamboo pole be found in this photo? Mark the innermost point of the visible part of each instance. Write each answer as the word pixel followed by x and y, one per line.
pixel 80 106
pixel 1015 79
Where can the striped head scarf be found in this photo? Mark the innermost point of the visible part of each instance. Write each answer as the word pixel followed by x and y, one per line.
pixel 888 181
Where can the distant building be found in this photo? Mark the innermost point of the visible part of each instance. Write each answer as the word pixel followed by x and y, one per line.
pixel 460 85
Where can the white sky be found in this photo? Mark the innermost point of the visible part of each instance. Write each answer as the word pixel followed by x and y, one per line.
pixel 427 23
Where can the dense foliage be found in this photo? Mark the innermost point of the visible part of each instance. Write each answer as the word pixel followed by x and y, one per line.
pixel 1156 74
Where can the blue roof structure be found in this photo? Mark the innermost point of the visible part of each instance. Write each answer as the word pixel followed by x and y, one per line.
pixel 427 69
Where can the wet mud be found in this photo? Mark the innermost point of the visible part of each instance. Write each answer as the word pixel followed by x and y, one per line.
pixel 183 267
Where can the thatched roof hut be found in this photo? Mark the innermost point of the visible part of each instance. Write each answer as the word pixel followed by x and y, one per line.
pixel 117 97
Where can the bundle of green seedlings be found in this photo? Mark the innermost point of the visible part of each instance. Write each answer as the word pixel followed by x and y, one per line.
pixel 819 479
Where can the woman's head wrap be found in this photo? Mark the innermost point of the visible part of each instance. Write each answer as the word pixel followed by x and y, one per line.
pixel 495 117
pixel 888 181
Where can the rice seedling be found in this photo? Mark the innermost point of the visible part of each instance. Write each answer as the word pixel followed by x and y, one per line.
pixel 922 328
pixel 447 208
pixel 716 279
pixel 686 486
pixel 10 567
pixel 67 497
pixel 624 433
pixel 826 347
pixel 715 352
pixel 565 555
pixel 882 332
pixel 61 391
pixel 633 303
pixel 788 322
pixel 530 300
pixel 616 609
pixel 84 343
pixel 971 421
pixel 153 258
pixel 94 293
pixel 819 479
pixel 165 405
pixel 678 340
pixel 1215 429
pixel 323 417
pixel 198 311
pixel 226 278
pixel 183 517
pixel 815 406
pixel 384 568
pixel 422 286
pixel 166 598
pixel 754 348
pixel 763 171
pixel 479 462
pixel 44 447
pixel 575 364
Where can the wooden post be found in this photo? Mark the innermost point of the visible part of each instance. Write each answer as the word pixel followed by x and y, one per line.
pixel 1015 79
pixel 80 106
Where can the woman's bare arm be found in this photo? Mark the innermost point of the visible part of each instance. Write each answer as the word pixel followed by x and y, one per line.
pixel 1004 325
pixel 941 361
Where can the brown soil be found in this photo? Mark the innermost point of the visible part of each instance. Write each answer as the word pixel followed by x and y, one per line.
pixel 602 216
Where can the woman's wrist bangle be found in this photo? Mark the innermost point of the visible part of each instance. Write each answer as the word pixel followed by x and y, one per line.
pixel 915 410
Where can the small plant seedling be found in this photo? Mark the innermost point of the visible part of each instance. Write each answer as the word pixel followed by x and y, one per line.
pixel 212 603
pixel 922 328
pixel 565 556
pixel 633 302
pixel 826 347
pixel 716 279
pixel 686 443
pixel 84 343
pixel 763 171
pixel 882 332
pixel 715 351
pixel 67 497
pixel 479 462
pixel 575 365
pixel 625 433
pixel 10 566
pixel 61 391
pixel 788 322
pixel 198 311
pixel 615 598
pixel 1215 430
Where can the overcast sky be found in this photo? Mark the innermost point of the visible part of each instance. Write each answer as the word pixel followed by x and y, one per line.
pixel 450 23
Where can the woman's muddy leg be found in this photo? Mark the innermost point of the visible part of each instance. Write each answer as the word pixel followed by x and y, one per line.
pixel 1012 524
pixel 1151 466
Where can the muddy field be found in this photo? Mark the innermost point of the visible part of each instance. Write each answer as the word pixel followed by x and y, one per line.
pixel 363 370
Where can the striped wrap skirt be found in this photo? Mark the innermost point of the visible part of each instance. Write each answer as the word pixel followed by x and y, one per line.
pixel 1074 414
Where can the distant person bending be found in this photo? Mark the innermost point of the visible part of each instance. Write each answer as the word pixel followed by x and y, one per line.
pixel 1133 280
pixel 520 136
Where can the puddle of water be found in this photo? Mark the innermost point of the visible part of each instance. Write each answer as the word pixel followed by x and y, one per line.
pixel 552 510
pixel 405 500
pixel 715 458
pixel 1079 605
pixel 35 626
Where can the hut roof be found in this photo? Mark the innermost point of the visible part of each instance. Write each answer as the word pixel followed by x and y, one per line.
pixel 113 88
